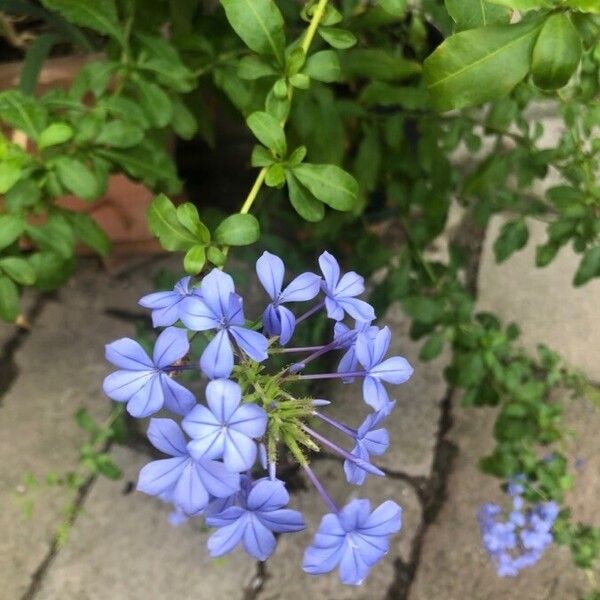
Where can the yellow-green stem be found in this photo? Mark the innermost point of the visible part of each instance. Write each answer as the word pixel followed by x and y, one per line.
pixel 308 38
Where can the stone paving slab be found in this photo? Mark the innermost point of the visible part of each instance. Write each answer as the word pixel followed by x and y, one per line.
pixel 453 565
pixel 123 547
pixel 285 578
pixel 543 302
pixel 60 368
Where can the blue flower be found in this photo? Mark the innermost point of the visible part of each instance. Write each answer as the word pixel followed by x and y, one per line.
pixel 369 440
pixel 355 539
pixel 341 292
pixel 277 319
pixel 166 305
pixel 189 483
pixel 219 307
pixel 226 429
pixel 396 369
pixel 260 513
pixel 520 541
pixel 143 382
pixel 347 340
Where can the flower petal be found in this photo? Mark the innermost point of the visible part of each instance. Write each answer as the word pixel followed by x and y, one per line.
pixel 380 344
pixel 218 481
pixel 178 399
pixel 126 353
pixel 216 288
pixel 159 475
pixel 288 324
pixel 239 453
pixel 253 343
pixel 223 397
pixel 122 385
pixel 226 538
pixel 374 393
pixel 271 320
pixel 249 419
pixel 199 420
pixel 189 494
pixel 196 315
pixel 147 400
pixel 302 288
pixel 171 345
pixel 353 568
pixel 283 520
pixel 393 370
pixel 217 359
pixel 385 520
pixel 334 310
pixel 165 435
pixel 357 309
pixel 351 284
pixel 330 269
pixel 208 445
pixel 322 559
pixel 259 542
pixel 267 495
pixel 270 271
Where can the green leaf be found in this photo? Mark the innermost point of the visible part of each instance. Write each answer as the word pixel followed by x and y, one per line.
pixel 22 112
pixel 478 65
pixel 85 421
pixel 523 5
pixel 432 347
pixel 183 121
pixel 187 215
pixel 51 270
pixel 120 134
pixel 260 25
pixel 155 103
pixel 396 8
pixel 261 156
pixel 88 232
pixel 99 16
pixel 216 256
pixel 304 203
pixel 556 53
pixel 323 66
pixel 422 308
pixel 254 67
pixel 275 175
pixel 36 54
pixel 9 299
pixel 378 63
pixel 268 131
pixel 513 236
pixel 21 195
pixel 545 254
pixel 56 235
pixel 379 93
pixel 11 228
pixel 238 230
pixel 54 134
pixel 589 267
pixel 194 259
pixel 329 184
pixel 106 466
pixel 18 269
pixel 164 224
pixel 77 177
pixel 338 38
pixel 587 6
pixel 468 14
pixel 9 175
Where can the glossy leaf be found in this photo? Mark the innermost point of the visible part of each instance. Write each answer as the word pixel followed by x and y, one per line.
pixel 155 103
pixel 194 259
pixel 164 224
pixel 468 14
pixel 77 177
pixel 260 25
pixel 88 232
pixel 513 236
pixel 268 131
pixel 378 63
pixel 340 39
pixel 11 228
pixel 238 230
pixel 9 299
pixel 323 66
pixel 18 269
pixel 478 65
pixel 589 267
pixel 556 53
pixel 304 203
pixel 329 184
pixel 22 112
pixel 54 134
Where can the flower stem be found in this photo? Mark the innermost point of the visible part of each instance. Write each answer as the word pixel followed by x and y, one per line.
pixel 343 428
pixel 310 312
pixel 327 375
pixel 327 499
pixel 314 23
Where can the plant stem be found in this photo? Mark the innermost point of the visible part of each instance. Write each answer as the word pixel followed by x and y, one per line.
pixel 314 23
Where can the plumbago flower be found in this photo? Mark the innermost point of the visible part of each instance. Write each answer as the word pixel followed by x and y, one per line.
pixel 221 457
pixel 520 540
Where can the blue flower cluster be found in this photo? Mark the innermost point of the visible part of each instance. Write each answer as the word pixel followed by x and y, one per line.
pixel 222 453
pixel 520 540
